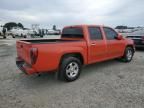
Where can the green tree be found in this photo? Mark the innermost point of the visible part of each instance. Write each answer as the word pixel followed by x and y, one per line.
pixel 20 25
pixel 10 25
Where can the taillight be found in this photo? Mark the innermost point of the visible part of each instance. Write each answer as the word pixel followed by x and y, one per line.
pixel 33 55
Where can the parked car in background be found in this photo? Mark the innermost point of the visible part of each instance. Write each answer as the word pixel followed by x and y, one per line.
pixel 18 32
pixel 138 40
pixel 54 32
pixel 44 32
pixel 79 45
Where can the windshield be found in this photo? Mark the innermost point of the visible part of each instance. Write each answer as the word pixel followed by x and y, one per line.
pixel 75 32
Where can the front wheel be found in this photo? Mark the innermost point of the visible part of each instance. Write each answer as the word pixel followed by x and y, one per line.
pixel 128 55
pixel 70 69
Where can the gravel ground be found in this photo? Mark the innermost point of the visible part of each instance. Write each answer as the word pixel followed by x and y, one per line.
pixel 109 84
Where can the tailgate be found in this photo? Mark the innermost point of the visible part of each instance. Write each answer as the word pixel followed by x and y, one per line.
pixel 23 50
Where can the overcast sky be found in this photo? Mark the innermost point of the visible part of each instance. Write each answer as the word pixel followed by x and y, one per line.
pixel 71 12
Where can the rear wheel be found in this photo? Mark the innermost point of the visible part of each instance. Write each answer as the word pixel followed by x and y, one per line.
pixel 70 69
pixel 128 55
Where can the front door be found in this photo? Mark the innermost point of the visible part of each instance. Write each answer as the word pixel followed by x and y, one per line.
pixel 115 47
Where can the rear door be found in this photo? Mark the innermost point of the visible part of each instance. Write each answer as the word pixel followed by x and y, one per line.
pixel 115 47
pixel 97 48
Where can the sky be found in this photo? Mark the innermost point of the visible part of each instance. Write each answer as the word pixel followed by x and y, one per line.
pixel 72 12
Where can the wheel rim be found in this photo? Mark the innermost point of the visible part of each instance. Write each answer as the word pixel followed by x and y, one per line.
pixel 72 69
pixel 129 54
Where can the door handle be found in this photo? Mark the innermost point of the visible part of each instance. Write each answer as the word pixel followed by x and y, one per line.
pixel 93 44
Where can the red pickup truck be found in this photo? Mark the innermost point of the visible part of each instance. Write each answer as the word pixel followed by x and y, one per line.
pixel 79 45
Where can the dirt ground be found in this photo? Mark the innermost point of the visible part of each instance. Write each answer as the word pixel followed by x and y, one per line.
pixel 110 84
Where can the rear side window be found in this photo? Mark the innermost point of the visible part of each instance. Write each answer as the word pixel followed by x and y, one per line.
pixel 95 33
pixel 110 33
pixel 73 32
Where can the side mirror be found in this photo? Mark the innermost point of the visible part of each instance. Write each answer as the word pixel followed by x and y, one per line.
pixel 119 37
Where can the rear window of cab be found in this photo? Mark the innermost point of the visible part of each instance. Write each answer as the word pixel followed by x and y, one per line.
pixel 72 32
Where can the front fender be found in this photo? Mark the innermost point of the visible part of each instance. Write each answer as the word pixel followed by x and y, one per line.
pixel 130 42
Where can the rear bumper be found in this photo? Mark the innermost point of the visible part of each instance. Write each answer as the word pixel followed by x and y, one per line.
pixel 24 67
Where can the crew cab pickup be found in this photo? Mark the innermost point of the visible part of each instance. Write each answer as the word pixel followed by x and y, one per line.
pixel 79 45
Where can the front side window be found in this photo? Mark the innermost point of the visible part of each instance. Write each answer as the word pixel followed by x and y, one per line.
pixel 95 33
pixel 110 33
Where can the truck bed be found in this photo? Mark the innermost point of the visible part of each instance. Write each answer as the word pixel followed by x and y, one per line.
pixel 37 41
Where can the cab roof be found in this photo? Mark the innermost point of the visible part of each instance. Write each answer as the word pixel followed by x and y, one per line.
pixel 85 25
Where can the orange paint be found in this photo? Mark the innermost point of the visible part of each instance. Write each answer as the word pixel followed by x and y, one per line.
pixel 50 54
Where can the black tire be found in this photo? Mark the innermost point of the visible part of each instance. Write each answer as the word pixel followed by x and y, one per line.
pixel 64 70
pixel 13 36
pixel 41 36
pixel 4 37
pixel 25 36
pixel 128 55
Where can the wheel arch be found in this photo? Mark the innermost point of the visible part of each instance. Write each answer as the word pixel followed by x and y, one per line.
pixel 73 54
pixel 132 46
